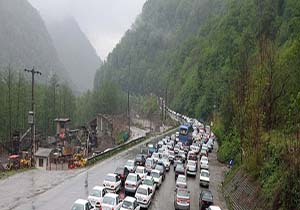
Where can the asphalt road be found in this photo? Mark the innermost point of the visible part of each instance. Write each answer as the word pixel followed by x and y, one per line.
pixel 62 195
pixel 23 192
pixel 164 197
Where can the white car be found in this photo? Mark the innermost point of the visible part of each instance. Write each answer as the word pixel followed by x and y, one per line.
pixel 166 163
pixel 204 178
pixel 112 182
pixel 181 181
pixel 155 156
pixel 130 165
pixel 132 182
pixel 141 171
pixel 177 134
pixel 149 181
pixel 213 208
pixel 157 177
pixel 97 195
pixel 144 196
pixel 111 201
pixel 82 205
pixel 195 149
pixel 191 167
pixel 130 203
pixel 204 162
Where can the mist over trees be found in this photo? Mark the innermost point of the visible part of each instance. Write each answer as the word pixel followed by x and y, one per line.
pixel 235 62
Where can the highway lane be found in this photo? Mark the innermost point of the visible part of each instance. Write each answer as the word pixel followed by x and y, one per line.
pixel 63 195
pixel 164 198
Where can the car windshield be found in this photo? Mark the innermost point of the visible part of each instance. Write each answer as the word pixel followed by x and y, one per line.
pixel 204 159
pixel 155 174
pixel 127 204
pixel 110 178
pixel 130 163
pixel 191 164
pixel 159 167
pixel 148 182
pixel 96 193
pixel 139 157
pixel 109 200
pixel 182 192
pixel 131 178
pixel 207 196
pixel 179 167
pixel 181 179
pixel 142 191
pixel 205 174
pixel 77 206
pixel 139 170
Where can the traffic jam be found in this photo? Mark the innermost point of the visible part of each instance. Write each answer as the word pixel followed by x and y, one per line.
pixel 133 186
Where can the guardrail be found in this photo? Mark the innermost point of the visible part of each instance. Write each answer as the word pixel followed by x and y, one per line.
pixel 102 155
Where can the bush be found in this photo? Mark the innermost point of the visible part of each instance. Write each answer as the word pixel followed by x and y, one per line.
pixel 229 148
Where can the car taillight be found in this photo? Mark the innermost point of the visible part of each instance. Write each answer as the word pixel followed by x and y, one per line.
pixel 112 186
pixel 133 185
pixel 126 184
pixel 145 200
pixel 188 200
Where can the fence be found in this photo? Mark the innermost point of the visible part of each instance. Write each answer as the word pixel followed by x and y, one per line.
pixel 105 154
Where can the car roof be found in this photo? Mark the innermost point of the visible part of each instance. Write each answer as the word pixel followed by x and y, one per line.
pixel 111 195
pixel 143 186
pixel 132 174
pixel 140 167
pixel 154 170
pixel 111 174
pixel 130 160
pixel 130 199
pixel 81 201
pixel 181 175
pixel 148 177
pixel 98 188
pixel 214 207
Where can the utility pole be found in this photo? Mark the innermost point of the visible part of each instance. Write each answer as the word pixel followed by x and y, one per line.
pixel 166 99
pixel 33 73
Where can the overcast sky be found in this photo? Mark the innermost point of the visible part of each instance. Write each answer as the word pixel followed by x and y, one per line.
pixel 103 21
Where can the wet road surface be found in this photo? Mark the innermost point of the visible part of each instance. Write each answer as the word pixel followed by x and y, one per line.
pixel 19 193
pixel 48 190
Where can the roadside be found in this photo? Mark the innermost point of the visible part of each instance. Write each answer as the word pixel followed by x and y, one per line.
pixel 24 187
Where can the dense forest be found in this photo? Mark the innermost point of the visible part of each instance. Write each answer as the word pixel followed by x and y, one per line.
pixel 235 62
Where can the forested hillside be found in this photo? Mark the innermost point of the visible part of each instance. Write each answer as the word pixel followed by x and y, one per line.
pixel 75 51
pixel 235 62
pixel 25 41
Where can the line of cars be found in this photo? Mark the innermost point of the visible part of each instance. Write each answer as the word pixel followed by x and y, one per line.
pixel 133 186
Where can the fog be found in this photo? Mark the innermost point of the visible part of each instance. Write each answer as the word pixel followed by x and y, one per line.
pixel 103 21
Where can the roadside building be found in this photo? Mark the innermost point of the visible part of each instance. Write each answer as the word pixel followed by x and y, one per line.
pixel 42 158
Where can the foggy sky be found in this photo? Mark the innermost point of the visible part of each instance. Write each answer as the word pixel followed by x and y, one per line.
pixel 103 21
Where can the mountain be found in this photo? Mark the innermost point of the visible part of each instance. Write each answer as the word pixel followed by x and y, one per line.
pixel 74 50
pixel 234 63
pixel 25 41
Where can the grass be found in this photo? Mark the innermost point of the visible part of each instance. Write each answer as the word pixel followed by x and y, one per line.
pixel 6 174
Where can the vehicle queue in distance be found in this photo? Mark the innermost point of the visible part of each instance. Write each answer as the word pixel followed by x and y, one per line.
pixel 139 179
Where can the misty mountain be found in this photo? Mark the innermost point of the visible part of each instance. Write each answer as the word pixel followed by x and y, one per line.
pixel 74 50
pixel 25 41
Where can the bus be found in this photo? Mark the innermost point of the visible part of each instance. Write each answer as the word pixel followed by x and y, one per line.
pixel 185 134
